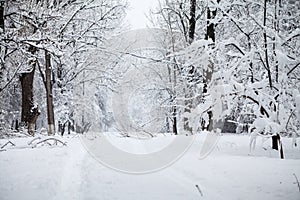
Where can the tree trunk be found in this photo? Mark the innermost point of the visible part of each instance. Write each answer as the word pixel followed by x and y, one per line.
pixel 188 91
pixel 29 112
pixel 175 121
pixel 2 17
pixel 276 27
pixel 192 21
pixel 210 33
pixel 267 65
pixel 49 94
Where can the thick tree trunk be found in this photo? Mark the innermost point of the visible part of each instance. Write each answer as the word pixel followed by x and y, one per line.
pixel 29 112
pixel 27 95
pixel 49 94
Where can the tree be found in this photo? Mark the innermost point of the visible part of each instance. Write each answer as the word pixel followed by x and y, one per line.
pixel 49 94
pixel 247 44
pixel 179 19
pixel 30 111
pixel 210 34
pixel 53 27
pixel 182 17
pixel 191 71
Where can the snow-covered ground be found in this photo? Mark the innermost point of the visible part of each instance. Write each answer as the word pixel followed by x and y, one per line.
pixel 70 172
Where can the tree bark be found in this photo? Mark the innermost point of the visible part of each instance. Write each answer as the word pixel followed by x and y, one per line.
pixel 174 127
pixel 49 95
pixel 2 17
pixel 29 112
pixel 192 21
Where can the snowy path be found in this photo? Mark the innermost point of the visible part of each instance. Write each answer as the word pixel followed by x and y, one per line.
pixel 71 173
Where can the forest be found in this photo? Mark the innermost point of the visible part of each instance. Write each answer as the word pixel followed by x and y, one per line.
pixel 75 69
pixel 222 63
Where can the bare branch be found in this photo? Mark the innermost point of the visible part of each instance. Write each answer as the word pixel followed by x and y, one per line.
pixel 291 70
pixel 7 143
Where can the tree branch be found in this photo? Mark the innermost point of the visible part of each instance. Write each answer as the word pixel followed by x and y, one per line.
pixel 293 69
pixel 41 73
pixel 236 48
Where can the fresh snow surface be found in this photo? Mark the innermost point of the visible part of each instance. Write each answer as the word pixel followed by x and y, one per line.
pixel 70 172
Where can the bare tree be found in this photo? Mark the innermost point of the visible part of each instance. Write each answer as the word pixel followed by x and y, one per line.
pixel 66 31
pixel 49 94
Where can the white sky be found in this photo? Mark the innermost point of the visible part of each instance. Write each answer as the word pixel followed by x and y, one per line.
pixel 138 9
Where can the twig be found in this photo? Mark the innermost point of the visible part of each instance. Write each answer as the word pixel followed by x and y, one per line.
pixel 293 68
pixel 54 139
pixel 199 190
pixel 75 136
pixel 26 134
pixel 286 126
pixel 30 143
pixel 11 79
pixel 9 142
pixel 297 181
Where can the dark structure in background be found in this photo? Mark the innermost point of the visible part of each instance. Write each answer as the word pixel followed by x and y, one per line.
pixel 277 144
pixel 2 2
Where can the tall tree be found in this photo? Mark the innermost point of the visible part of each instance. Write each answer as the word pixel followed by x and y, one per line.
pixel 30 111
pixel 266 61
pixel 210 34
pixel 189 94
pixel 69 31
pixel 49 94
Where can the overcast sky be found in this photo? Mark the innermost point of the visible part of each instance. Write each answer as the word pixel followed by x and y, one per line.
pixel 138 9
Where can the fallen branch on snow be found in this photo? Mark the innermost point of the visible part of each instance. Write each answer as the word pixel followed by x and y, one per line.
pixel 37 138
pixel 297 181
pixel 9 142
pixel 56 141
pixel 199 190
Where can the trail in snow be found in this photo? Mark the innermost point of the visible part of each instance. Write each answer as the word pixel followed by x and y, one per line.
pixel 228 173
